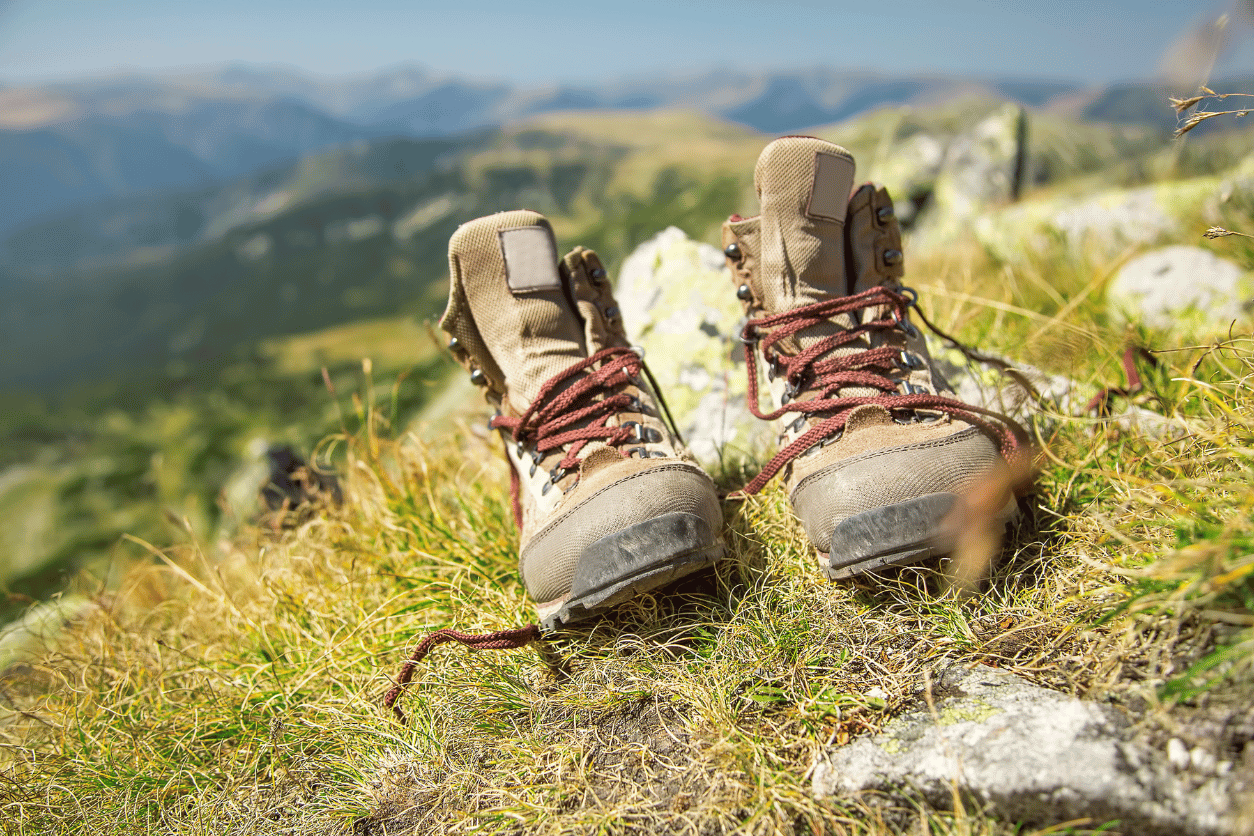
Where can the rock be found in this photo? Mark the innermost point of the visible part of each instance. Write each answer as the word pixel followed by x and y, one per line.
pixel 29 637
pixel 941 181
pixel 982 168
pixel 1134 216
pixel 1178 754
pixel 679 305
pixel 292 483
pixel 1103 225
pixel 1028 754
pixel 274 478
pixel 1180 284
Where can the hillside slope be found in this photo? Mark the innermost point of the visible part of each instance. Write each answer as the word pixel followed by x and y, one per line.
pixel 358 232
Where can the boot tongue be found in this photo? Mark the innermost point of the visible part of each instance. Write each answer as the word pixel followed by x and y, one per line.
pixel 518 299
pixel 803 187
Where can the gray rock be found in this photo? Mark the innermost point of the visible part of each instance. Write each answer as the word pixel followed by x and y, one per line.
pixel 1180 285
pixel 39 628
pixel 1103 225
pixel 982 168
pixel 1028 754
pixel 679 304
pixel 959 173
pixel 1117 218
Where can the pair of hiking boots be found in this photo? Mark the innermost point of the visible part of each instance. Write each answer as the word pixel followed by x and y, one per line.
pixel 875 455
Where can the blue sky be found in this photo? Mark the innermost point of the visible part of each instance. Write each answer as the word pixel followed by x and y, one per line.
pixel 539 42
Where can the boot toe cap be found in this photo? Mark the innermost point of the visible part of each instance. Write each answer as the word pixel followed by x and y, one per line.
pixel 890 476
pixel 634 526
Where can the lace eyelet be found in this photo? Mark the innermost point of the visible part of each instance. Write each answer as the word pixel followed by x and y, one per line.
pixel 833 438
pixel 643 434
pixel 908 362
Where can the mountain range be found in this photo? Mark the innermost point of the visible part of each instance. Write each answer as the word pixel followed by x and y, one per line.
pixel 72 144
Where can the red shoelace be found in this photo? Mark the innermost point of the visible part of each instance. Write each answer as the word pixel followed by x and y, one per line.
pixel 574 415
pixel 498 640
pixel 809 371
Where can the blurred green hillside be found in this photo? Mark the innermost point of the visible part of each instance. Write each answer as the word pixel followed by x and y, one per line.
pixel 148 346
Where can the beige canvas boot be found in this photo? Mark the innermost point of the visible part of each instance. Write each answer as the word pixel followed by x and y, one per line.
pixel 875 450
pixel 607 500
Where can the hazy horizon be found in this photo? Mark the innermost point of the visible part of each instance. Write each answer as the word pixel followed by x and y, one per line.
pixel 1092 43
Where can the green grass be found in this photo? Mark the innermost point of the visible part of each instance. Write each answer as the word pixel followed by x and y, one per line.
pixel 155 459
pixel 238 690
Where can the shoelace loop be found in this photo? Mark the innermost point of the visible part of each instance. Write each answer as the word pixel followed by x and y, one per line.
pixel 553 421
pixel 810 371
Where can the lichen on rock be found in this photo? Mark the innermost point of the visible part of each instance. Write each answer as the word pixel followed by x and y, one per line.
pixel 1028 754
pixel 679 304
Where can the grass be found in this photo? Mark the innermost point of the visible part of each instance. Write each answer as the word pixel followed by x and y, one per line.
pixel 239 692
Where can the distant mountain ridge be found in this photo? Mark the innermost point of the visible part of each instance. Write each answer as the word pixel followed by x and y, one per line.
pixel 73 144
pixel 103 155
pixel 427 102
pixel 174 280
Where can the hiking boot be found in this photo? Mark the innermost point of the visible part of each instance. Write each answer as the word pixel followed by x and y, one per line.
pixel 608 502
pixel 876 451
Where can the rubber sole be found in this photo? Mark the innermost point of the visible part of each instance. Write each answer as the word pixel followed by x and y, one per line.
pixel 637 559
pixel 898 535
